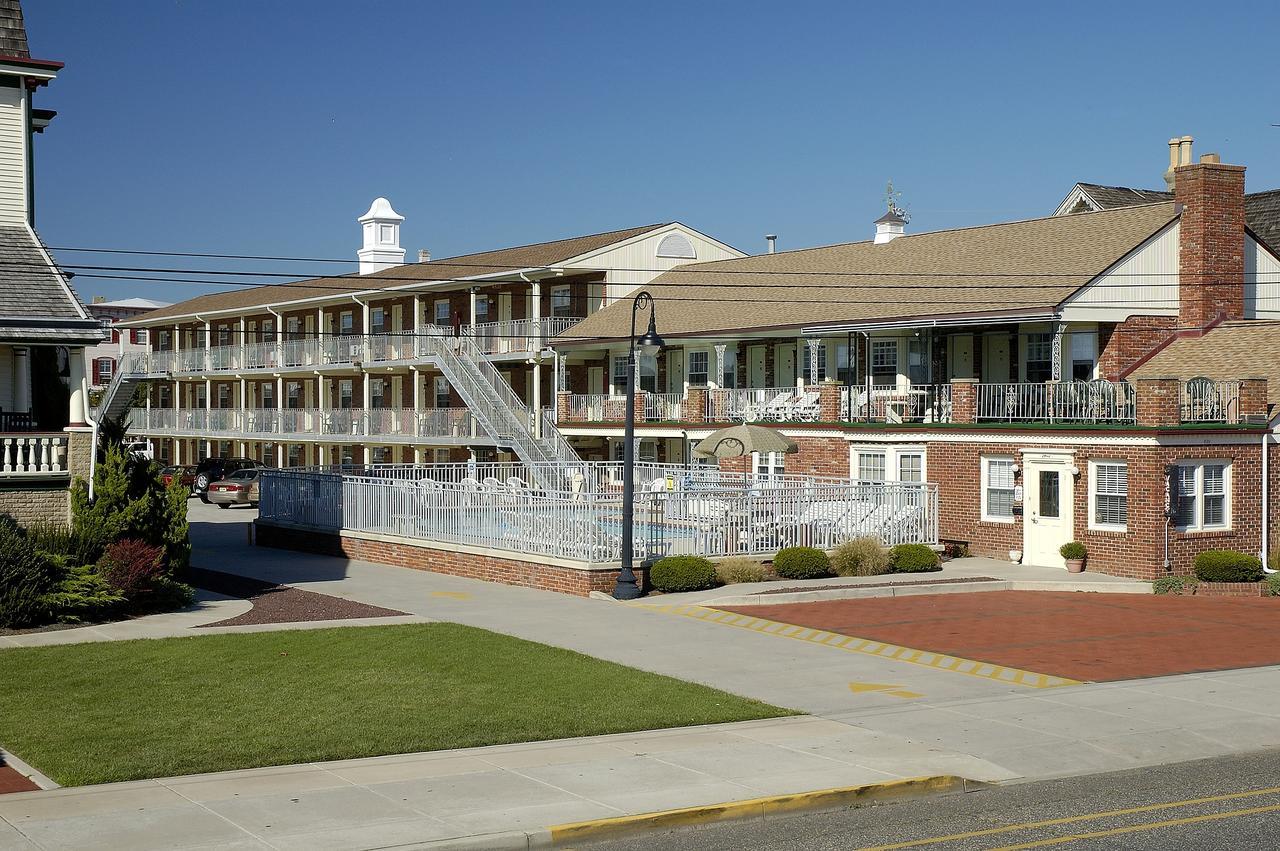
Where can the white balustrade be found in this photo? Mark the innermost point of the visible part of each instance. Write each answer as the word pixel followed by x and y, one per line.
pixel 1072 401
pixel 32 456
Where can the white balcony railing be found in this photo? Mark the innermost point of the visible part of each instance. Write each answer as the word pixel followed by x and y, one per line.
pixel 763 404
pixel 1204 400
pixel 913 403
pixel 391 423
pixel 33 456
pixel 518 335
pixel 1076 401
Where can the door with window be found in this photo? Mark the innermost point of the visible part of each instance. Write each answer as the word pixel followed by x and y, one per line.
pixel 1047 507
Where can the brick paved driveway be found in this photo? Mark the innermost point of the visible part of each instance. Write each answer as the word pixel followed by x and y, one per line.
pixel 1084 636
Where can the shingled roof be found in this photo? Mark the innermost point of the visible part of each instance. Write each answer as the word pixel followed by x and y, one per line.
pixel 13 32
pixel 1016 267
pixel 1241 349
pixel 444 269
pixel 1261 209
pixel 35 304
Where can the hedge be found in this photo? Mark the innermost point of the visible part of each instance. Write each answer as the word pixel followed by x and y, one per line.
pixel 674 574
pixel 801 563
pixel 1228 566
pixel 914 558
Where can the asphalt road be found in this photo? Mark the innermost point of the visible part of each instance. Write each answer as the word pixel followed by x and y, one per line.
pixel 1226 803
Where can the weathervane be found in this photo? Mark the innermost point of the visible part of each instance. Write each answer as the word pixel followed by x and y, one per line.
pixel 891 199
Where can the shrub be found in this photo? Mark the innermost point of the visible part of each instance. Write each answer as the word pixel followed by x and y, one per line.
pixel 860 557
pixel 682 573
pixel 62 542
pixel 801 563
pixel 1178 586
pixel 26 575
pixel 1273 585
pixel 84 596
pixel 1228 566
pixel 914 558
pixel 1073 551
pixel 731 571
pixel 132 567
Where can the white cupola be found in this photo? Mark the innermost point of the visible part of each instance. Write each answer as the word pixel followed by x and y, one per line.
pixel 381 230
pixel 889 226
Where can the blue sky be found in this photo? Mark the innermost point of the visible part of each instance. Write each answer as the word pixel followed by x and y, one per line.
pixel 268 127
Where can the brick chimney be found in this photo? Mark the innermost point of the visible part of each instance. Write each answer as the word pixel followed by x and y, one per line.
pixel 1211 246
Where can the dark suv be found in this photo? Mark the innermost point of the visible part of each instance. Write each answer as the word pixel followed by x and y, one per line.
pixel 213 469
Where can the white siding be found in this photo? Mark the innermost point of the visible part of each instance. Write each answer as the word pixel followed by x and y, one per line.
pixel 13 157
pixel 634 264
pixel 1262 282
pixel 7 378
pixel 1144 282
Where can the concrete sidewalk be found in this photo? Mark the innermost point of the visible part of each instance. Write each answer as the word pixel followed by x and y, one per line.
pixel 504 796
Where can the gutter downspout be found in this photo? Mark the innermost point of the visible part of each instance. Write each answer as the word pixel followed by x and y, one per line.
pixel 1266 507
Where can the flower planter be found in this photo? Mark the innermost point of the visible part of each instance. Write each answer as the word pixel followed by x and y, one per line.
pixel 1075 565
pixel 1015 556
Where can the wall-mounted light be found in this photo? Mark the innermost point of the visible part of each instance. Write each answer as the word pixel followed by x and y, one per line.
pixel 1073 470
pixel 1016 468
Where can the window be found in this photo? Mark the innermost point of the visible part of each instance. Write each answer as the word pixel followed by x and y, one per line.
pixel 294 455
pixel 201 398
pixel 268 396
pixel 440 456
pixel 676 245
pixel 377 320
pixel 163 341
pixel 224 335
pixel 293 394
pixel 884 361
pixel 1198 491
pixel 648 372
pixel 346 323
pixel 769 465
pixel 561 301
pixel 224 396
pixel 621 378
pixel 698 369
pixel 871 466
pixel 164 396
pixel 730 377
pixel 344 393
pixel 1039 357
pixel 377 392
pixel 997 489
pixel 1084 355
pixel 105 369
pixel 381 455
pixel 910 467
pixel 844 372
pixel 443 316
pixel 1108 495
pixel 268 332
pixel 482 309
pixel 293 328
pixel 440 389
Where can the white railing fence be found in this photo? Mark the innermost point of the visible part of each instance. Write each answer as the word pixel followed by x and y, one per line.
pixel 1074 401
pixel 476 506
pixel 391 423
pixel 33 456
pixel 921 403
pixel 1205 400
pixel 763 404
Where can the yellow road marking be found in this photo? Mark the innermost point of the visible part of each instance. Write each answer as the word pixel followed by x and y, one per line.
pixel 852 644
pixel 452 595
pixel 1134 828
pixel 1033 825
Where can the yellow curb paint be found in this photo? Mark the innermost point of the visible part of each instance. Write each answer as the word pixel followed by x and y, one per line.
pixel 757 808
pixel 869 647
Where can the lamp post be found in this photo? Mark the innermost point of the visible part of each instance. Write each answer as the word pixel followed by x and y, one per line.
pixel 650 344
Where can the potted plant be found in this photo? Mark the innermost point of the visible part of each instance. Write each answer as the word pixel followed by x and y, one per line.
pixel 1015 556
pixel 1073 553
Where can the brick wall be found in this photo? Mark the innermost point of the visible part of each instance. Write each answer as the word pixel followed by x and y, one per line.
pixel 565 580
pixel 1121 347
pixel 36 505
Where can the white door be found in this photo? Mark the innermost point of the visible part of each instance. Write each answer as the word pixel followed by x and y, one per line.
pixel 755 366
pixel 506 342
pixel 675 371
pixel 784 357
pixel 1048 518
pixel 595 380
pixel 961 357
pixel 995 363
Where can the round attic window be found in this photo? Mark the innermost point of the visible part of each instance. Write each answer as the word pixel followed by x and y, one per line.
pixel 676 245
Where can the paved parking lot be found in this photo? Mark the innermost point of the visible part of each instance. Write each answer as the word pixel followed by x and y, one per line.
pixel 1088 637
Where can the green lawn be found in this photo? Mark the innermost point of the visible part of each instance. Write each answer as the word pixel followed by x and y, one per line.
pixel 95 713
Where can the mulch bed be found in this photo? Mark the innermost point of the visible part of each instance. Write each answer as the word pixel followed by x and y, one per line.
pixel 955 580
pixel 12 781
pixel 1098 637
pixel 274 603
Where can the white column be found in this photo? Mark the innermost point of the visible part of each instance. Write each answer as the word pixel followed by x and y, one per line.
pixel 814 344
pixel 720 347
pixel 243 348
pixel 535 313
pixel 475 297
pixel 537 399
pixel 22 379
pixel 208 343
pixel 1058 330
pixel 78 406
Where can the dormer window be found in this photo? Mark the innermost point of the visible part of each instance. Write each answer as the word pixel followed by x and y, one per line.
pixel 676 245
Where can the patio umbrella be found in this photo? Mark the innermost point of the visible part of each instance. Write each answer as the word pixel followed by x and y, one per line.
pixel 737 441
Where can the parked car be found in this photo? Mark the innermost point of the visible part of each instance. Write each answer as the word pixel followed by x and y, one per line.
pixel 141 449
pixel 239 488
pixel 184 473
pixel 211 470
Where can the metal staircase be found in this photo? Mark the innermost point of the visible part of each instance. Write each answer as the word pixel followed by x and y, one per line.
pixel 133 369
pixel 499 410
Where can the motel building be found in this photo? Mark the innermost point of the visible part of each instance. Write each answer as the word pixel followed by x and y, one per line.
pixel 1008 388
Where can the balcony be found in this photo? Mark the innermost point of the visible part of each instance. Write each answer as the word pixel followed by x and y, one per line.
pixel 1150 402
pixel 395 425
pixel 30 456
